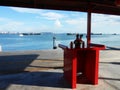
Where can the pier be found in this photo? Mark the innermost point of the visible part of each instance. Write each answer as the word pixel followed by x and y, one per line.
pixel 43 70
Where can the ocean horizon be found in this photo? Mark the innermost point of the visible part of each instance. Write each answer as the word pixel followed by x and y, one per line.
pixel 15 42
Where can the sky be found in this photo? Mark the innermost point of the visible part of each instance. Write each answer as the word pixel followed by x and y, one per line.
pixel 13 19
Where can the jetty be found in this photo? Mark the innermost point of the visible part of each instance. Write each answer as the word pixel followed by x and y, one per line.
pixel 43 70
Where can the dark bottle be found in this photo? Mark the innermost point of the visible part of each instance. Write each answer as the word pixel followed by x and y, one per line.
pixel 71 45
pixel 77 41
pixel 82 44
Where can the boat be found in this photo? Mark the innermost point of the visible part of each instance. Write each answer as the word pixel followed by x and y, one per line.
pixel 71 33
pixel 31 33
pixel 96 33
pixel 114 34
pixel 21 35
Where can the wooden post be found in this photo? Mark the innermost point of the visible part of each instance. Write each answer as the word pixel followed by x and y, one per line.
pixel 54 45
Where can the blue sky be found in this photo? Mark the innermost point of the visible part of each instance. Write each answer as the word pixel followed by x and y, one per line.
pixel 13 19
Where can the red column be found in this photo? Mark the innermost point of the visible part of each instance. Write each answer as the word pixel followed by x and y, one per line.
pixel 88 28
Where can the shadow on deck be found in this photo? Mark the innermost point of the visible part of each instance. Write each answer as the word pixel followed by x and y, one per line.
pixel 12 72
pixel 15 63
pixel 44 79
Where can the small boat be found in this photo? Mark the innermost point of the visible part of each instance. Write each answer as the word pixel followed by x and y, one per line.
pixel 31 33
pixel 21 35
pixel 71 33
pixel 96 33
pixel 114 34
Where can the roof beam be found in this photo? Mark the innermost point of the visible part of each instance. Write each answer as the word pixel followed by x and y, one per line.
pixel 97 6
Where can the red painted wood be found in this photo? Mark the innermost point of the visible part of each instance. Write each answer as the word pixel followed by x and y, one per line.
pixel 87 64
pixel 84 61
pixel 100 46
pixel 91 65
pixel 88 28
pixel 70 66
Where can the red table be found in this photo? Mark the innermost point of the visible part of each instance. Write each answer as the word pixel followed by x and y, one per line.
pixel 81 65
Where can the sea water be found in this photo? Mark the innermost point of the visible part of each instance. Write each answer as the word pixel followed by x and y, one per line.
pixel 15 42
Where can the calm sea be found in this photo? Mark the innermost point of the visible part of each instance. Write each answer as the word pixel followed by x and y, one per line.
pixel 14 42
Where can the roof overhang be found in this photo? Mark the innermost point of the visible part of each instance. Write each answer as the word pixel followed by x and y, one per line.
pixel 95 6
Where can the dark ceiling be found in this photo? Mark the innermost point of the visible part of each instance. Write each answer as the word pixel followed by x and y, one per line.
pixel 95 6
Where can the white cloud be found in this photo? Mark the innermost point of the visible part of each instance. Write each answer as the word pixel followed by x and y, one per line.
pixel 76 21
pixel 26 10
pixel 98 20
pixel 58 23
pixel 105 19
pixel 105 23
pixel 100 23
pixel 2 19
pixel 45 13
pixel 77 24
pixel 11 25
pixel 52 15
pixel 16 26
pixel 71 21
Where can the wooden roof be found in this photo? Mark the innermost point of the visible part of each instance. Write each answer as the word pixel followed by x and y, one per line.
pixel 95 6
